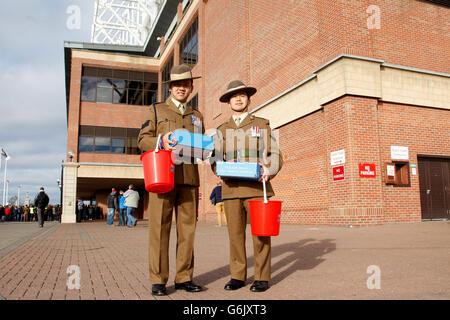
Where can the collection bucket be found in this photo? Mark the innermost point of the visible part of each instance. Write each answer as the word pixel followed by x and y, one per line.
pixel 159 170
pixel 265 216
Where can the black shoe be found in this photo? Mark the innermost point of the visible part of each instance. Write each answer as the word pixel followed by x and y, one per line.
pixel 159 290
pixel 134 225
pixel 189 286
pixel 259 286
pixel 234 284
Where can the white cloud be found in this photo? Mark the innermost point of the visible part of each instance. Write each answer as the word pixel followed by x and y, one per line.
pixel 33 105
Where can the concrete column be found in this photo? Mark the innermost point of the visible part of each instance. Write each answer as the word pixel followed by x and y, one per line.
pixel 70 174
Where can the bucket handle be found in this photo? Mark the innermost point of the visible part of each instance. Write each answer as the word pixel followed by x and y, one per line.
pixel 157 143
pixel 265 193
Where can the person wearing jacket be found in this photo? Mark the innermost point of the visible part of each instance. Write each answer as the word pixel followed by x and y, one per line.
pixel 166 117
pixel 122 210
pixel 216 200
pixel 113 206
pixel 131 203
pixel 246 138
pixel 40 202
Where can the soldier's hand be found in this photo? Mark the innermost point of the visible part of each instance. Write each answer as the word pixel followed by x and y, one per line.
pixel 167 142
pixel 264 174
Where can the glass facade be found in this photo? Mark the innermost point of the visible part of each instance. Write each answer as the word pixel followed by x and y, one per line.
pixel 194 102
pixel 108 140
pixel 119 86
pixel 189 45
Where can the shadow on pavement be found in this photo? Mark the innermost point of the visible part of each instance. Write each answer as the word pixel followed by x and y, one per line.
pixel 304 254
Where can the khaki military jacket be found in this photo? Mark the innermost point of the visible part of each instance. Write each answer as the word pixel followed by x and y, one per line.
pixel 169 118
pixel 251 141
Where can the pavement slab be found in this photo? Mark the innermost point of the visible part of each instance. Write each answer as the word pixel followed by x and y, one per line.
pixel 91 261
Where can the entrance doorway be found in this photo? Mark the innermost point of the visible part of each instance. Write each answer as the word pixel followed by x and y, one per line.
pixel 434 180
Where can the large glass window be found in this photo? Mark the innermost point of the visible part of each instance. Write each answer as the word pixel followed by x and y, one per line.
pixel 194 102
pixel 108 140
pixel 118 145
pixel 86 144
pixel 118 86
pixel 189 45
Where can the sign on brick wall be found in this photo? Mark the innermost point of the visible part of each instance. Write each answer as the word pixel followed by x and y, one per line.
pixel 367 170
pixel 399 153
pixel 338 173
pixel 337 157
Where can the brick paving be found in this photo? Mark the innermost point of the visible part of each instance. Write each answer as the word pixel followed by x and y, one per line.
pixel 308 262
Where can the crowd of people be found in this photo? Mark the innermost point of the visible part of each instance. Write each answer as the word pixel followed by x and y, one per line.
pixel 29 213
pixel 125 204
pixel 88 212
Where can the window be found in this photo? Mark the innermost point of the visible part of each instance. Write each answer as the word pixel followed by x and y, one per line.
pixel 194 102
pixel 166 77
pixel 86 144
pixel 189 45
pixel 108 140
pixel 397 173
pixel 118 145
pixel 118 86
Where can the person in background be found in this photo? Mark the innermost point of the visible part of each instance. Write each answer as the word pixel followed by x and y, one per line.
pixel 113 206
pixel 41 201
pixel 19 213
pixel 54 213
pixel 49 213
pixel 26 213
pixel 216 200
pixel 8 214
pixel 131 203
pixel 122 210
pixel 32 213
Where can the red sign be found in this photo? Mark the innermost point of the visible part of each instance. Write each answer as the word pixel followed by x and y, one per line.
pixel 367 170
pixel 338 173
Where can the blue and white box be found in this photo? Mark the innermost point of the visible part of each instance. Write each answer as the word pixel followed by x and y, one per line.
pixel 238 170
pixel 197 145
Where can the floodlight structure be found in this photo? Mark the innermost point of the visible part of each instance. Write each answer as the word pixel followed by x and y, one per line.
pixel 124 22
pixel 5 181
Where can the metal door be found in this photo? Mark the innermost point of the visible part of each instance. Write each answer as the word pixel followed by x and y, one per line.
pixel 434 180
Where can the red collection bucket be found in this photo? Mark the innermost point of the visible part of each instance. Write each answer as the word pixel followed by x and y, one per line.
pixel 265 216
pixel 159 170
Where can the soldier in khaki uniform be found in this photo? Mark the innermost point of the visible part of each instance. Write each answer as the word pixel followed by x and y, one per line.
pixel 173 114
pixel 246 138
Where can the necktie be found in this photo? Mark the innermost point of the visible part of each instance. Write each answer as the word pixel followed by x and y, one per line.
pixel 238 121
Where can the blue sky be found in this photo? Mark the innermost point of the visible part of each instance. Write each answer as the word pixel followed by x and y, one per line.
pixel 32 105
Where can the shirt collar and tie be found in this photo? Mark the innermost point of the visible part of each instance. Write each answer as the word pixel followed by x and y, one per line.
pixel 238 119
pixel 180 106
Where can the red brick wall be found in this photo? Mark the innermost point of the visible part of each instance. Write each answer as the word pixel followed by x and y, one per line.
pixel 351 124
pixel 424 131
pixel 302 181
pixel 366 129
pixel 274 46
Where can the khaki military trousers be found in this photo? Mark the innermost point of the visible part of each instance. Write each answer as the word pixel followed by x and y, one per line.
pixel 220 208
pixel 236 213
pixel 184 199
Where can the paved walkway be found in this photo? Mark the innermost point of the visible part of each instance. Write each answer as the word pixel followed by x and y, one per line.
pixel 321 262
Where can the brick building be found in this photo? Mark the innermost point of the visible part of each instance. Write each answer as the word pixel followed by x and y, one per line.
pixel 357 92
